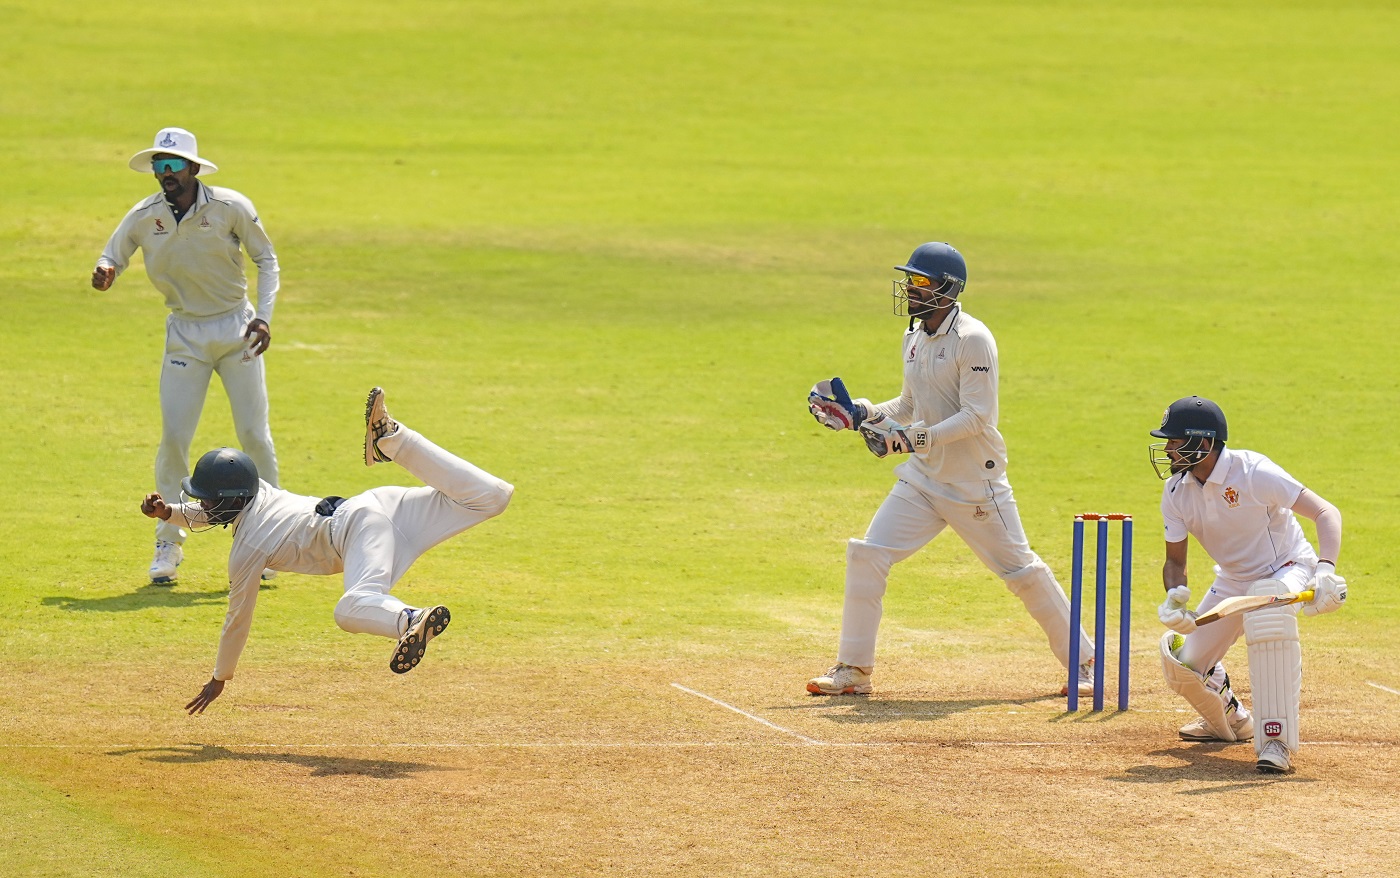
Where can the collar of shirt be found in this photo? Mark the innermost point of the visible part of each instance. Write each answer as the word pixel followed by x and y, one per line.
pixel 947 325
pixel 201 198
pixel 1223 465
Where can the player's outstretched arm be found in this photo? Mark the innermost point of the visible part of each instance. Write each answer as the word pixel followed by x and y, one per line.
pixel 213 689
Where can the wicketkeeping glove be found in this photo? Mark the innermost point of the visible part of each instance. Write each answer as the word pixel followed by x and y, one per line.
pixel 833 407
pixel 1173 612
pixel 1329 591
pixel 884 437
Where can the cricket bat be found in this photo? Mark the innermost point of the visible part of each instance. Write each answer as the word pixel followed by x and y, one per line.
pixel 1245 603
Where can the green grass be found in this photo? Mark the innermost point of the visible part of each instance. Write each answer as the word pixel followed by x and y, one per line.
pixel 603 249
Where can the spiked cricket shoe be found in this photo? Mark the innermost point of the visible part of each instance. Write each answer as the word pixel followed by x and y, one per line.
pixel 423 626
pixel 842 679
pixel 378 424
pixel 1241 723
pixel 165 563
pixel 1084 680
pixel 1273 758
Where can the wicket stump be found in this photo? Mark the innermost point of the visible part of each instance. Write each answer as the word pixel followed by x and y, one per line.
pixel 1076 605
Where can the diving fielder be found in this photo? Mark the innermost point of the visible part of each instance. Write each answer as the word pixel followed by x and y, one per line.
pixel 190 236
pixel 1240 507
pixel 373 537
pixel 945 419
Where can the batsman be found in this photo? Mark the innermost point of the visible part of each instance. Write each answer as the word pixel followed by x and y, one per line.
pixel 954 475
pixel 1240 506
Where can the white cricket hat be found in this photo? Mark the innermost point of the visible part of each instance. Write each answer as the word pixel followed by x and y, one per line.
pixel 172 141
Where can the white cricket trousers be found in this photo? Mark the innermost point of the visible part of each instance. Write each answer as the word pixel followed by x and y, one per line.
pixel 380 533
pixel 984 515
pixel 1205 647
pixel 195 350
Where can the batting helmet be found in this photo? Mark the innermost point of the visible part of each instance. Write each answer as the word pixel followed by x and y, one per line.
pixel 1194 420
pixel 1192 416
pixel 223 482
pixel 936 274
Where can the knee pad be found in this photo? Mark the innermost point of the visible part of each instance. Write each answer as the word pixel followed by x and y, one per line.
pixel 1210 702
pixel 1275 668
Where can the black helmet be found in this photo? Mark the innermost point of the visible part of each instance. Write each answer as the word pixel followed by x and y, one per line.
pixel 1192 416
pixel 224 479
pixel 1194 419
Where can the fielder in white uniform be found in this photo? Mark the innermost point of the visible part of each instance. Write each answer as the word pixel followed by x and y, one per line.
pixel 373 537
pixel 945 418
pixel 190 236
pixel 1240 507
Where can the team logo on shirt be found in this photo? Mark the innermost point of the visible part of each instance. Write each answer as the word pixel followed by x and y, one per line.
pixel 942 353
pixel 980 514
pixel 160 227
pixel 912 348
pixel 204 223
pixel 1232 497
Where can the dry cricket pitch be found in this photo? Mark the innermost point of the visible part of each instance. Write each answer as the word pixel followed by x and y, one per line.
pixel 616 770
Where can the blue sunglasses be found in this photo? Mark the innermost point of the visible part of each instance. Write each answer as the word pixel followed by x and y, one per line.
pixel 161 166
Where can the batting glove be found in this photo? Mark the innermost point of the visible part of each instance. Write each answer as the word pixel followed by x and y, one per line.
pixel 1329 591
pixel 1173 612
pixel 884 437
pixel 833 407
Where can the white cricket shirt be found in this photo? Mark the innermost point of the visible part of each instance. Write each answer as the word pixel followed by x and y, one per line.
pixel 278 530
pixel 950 384
pixel 1242 516
pixel 196 263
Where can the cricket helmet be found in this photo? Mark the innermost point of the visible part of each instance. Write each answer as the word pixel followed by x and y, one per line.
pixel 937 272
pixel 1195 420
pixel 223 482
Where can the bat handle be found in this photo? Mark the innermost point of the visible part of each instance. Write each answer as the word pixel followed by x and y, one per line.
pixel 1304 596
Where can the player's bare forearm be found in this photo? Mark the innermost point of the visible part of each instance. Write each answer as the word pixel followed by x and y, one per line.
pixel 155 507
pixel 1174 567
pixel 213 689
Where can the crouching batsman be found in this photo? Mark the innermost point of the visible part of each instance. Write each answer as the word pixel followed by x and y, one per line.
pixel 1240 507
pixel 373 537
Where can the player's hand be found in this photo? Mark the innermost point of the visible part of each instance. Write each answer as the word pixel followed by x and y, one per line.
pixel 261 336
pixel 155 507
pixel 1173 612
pixel 213 689
pixel 833 407
pixel 102 277
pixel 1329 591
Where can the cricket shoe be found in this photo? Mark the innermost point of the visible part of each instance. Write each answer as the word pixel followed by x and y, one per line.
pixel 378 424
pixel 842 679
pixel 1241 723
pixel 423 626
pixel 1084 680
pixel 1273 758
pixel 164 565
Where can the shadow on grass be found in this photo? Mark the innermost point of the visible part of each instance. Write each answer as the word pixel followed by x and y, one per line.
pixel 860 709
pixel 1207 764
pixel 320 766
pixel 142 598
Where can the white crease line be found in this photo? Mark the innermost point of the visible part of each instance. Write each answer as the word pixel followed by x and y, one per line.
pixel 1382 688
pixel 757 719
pixel 614 745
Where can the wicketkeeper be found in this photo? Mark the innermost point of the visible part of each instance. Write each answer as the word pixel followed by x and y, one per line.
pixel 945 420
pixel 1240 507
pixel 373 537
